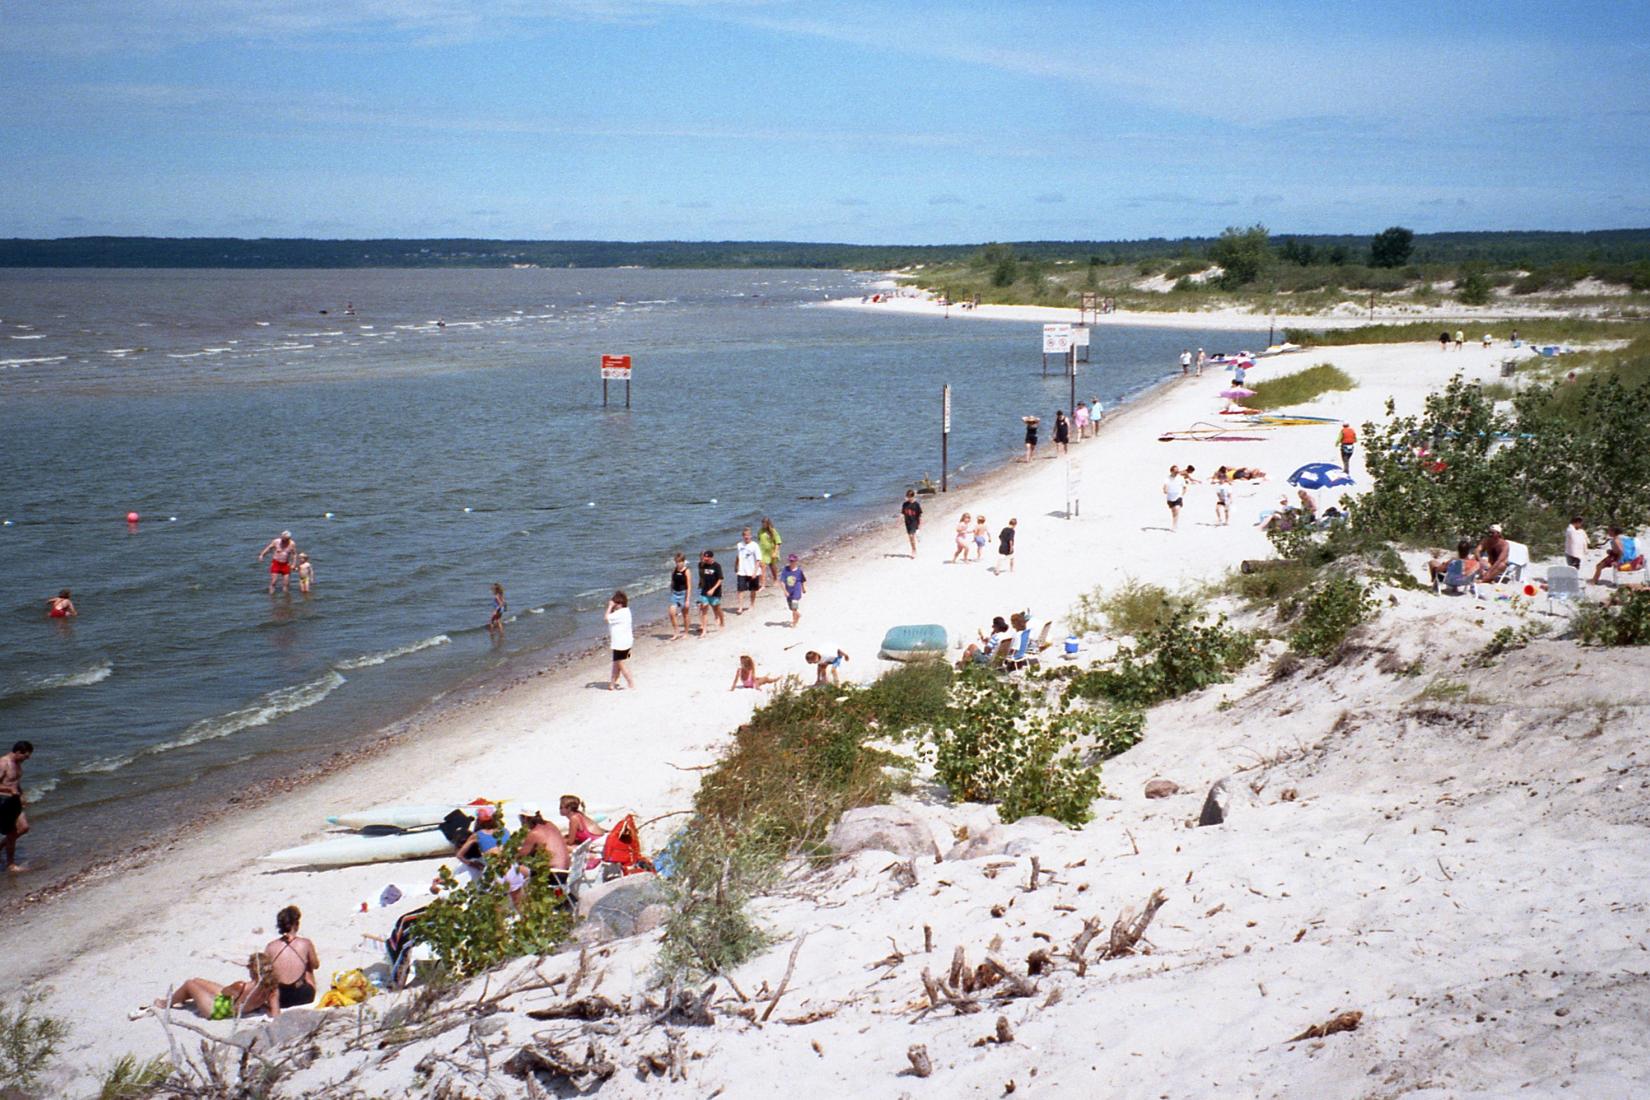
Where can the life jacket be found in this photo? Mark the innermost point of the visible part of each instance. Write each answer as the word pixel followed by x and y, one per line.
pixel 1348 436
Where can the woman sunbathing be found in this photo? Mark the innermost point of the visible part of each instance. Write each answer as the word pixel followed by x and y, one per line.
pixel 1438 567
pixel 223 1002
pixel 579 826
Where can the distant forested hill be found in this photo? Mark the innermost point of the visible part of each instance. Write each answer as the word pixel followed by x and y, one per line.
pixel 1501 248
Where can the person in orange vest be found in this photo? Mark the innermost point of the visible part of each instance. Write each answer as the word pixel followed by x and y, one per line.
pixel 1349 439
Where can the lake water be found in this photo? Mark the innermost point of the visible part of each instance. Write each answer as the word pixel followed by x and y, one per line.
pixel 452 426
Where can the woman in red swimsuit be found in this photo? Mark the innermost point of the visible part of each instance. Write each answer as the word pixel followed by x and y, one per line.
pixel 61 606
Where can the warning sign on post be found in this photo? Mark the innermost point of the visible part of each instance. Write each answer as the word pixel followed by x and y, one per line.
pixel 1080 336
pixel 1056 339
pixel 616 367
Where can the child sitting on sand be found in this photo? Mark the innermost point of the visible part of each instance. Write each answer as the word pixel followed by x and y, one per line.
pixel 826 666
pixel 745 675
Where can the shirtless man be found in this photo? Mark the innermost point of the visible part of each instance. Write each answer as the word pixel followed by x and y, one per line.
pixel 13 822
pixel 543 835
pixel 283 554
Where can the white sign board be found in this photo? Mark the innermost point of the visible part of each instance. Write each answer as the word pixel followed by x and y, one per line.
pixel 947 416
pixel 1056 339
pixel 1080 336
pixel 621 374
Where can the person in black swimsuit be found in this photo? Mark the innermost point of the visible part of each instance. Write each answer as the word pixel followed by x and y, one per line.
pixel 294 959
pixel 1031 423
pixel 680 583
pixel 1062 431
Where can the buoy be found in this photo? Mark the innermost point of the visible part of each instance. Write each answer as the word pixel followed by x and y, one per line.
pixel 171 519
pixel 713 500
pixel 132 517
pixel 6 524
pixel 326 515
pixel 827 496
pixel 466 511
pixel 590 504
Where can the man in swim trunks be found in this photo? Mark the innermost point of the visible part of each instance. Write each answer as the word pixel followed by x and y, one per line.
pixel 911 512
pixel 543 835
pixel 710 590
pixel 283 555
pixel 13 821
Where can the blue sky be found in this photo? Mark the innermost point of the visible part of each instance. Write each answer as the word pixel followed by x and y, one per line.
pixel 879 122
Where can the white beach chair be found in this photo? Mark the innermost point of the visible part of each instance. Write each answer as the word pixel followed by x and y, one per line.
pixel 1563 583
pixel 1518 560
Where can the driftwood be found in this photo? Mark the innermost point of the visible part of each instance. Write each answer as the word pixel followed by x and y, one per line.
pixel 1130 928
pixel 1346 1021
pixel 592 1007
pixel 920 1064
pixel 1080 944
pixel 553 1061
pixel 786 980
pixel 903 872
pixel 942 993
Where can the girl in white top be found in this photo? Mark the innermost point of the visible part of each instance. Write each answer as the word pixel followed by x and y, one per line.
pixel 1174 495
pixel 623 638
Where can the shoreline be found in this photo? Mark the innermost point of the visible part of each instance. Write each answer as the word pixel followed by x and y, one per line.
pixel 196 901
pixel 924 303
pixel 431 718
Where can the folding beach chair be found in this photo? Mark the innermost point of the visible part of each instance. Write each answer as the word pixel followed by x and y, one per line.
pixel 1000 655
pixel 1455 580
pixel 1518 560
pixel 1563 583
pixel 1019 659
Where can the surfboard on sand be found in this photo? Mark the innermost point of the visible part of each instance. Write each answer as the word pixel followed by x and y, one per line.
pixel 344 851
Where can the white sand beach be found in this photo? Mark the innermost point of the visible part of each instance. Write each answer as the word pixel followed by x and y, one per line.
pixel 1465 880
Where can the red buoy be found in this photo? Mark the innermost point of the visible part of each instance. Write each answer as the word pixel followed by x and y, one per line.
pixel 132 517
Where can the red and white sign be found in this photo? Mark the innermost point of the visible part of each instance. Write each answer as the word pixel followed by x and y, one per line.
pixel 1056 339
pixel 616 367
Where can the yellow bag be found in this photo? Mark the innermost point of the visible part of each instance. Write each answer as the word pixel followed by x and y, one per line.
pixel 349 987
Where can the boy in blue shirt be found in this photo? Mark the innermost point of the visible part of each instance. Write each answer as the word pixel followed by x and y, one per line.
pixel 796 583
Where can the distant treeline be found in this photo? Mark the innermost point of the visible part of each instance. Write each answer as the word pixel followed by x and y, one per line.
pixel 1506 249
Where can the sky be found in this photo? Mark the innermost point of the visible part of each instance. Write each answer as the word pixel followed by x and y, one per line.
pixel 813 120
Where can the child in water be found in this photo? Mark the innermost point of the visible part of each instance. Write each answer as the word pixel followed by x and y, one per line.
pixel 496 623
pixel 306 573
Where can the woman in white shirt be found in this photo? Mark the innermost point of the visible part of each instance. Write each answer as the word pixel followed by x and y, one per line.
pixel 623 638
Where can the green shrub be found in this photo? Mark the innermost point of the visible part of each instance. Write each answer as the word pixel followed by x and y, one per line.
pixel 28 1043
pixel 716 871
pixel 1182 268
pixel 1328 612
pixel 130 1079
pixel 1182 654
pixel 1003 746
pixel 1300 387
pixel 475 927
pixel 1133 607
pixel 1625 620
pixel 1473 289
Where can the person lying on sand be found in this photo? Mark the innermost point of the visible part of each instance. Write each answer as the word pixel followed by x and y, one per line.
pixel 212 1001
pixel 745 675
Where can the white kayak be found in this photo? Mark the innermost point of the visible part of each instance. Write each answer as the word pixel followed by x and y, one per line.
pixel 343 851
pixel 399 816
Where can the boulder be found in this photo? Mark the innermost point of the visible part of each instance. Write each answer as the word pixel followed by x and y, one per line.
pixel 883 829
pixel 1161 788
pixel 988 842
pixel 1218 804
pixel 625 906
pixel 1026 836
pixel 291 1027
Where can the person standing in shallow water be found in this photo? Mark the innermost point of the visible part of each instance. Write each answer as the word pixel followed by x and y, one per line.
pixel 283 555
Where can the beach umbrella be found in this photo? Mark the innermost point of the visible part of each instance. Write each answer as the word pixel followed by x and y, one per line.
pixel 1320 475
pixel 1237 393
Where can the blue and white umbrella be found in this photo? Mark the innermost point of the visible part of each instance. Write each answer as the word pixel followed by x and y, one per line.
pixel 1320 475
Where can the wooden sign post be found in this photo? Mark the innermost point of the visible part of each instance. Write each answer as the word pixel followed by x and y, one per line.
pixel 616 367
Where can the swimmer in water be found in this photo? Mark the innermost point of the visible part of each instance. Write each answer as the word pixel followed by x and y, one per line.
pixel 61 606
pixel 496 623
pixel 306 573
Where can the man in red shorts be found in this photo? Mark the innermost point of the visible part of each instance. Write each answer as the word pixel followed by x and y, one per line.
pixel 283 554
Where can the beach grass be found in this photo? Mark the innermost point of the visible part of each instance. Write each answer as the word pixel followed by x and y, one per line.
pixel 1531 330
pixel 1298 388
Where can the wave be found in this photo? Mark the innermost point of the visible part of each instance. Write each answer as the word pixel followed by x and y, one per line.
pixel 272 705
pixel 391 654
pixel 39 685
pixel 40 359
pixel 31 336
